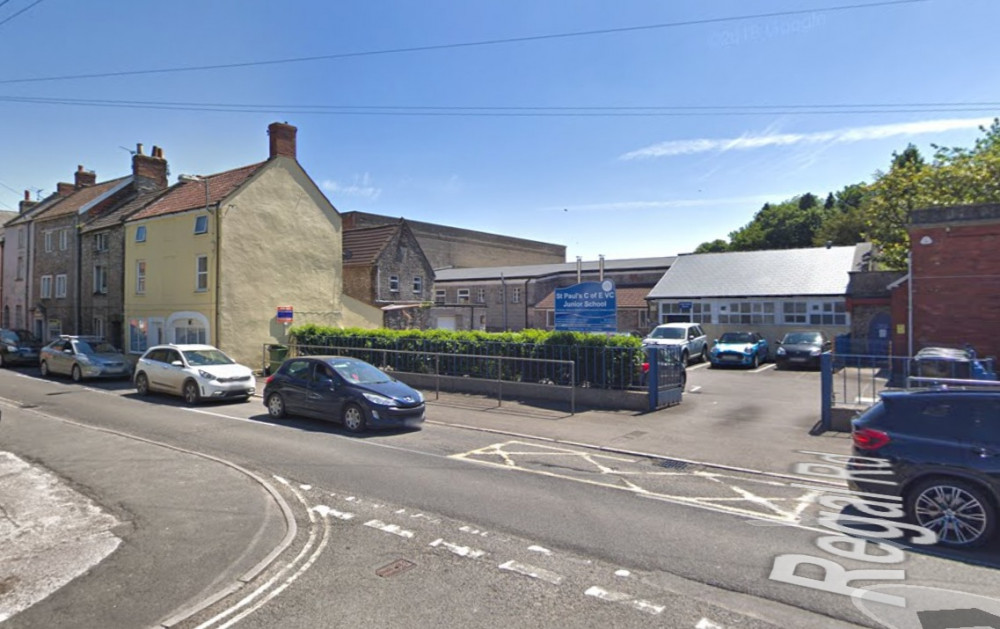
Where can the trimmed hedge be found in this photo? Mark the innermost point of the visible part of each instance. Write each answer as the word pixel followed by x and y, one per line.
pixel 600 361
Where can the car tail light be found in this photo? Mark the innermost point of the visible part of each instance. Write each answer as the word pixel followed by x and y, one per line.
pixel 269 379
pixel 869 439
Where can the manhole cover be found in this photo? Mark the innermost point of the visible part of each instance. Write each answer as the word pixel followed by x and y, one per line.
pixel 674 465
pixel 394 568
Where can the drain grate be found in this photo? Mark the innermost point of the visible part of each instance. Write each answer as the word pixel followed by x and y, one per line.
pixel 394 568
pixel 673 464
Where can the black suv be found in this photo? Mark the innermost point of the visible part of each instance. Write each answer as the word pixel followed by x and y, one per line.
pixel 944 449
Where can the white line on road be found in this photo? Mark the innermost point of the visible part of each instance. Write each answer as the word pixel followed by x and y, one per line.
pixel 532 571
pixel 705 623
pixel 627 599
pixel 324 511
pixel 461 551
pixel 389 528
pixel 242 419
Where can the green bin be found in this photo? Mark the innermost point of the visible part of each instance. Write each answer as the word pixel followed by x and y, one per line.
pixel 276 355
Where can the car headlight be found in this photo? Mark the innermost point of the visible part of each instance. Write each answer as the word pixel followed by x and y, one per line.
pixel 381 400
pixel 206 375
pixel 781 351
pixel 11 348
pixel 748 349
pixel 815 351
pixel 420 397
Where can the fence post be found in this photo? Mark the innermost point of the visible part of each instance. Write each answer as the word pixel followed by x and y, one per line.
pixel 653 376
pixel 499 381
pixel 826 391
pixel 437 376
pixel 572 391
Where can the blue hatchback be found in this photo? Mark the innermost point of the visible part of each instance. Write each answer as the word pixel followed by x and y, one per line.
pixel 744 349
pixel 342 389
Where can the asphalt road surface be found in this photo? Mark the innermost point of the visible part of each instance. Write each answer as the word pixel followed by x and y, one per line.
pixel 454 527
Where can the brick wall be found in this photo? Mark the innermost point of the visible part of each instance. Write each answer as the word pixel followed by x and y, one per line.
pixel 54 263
pixel 110 306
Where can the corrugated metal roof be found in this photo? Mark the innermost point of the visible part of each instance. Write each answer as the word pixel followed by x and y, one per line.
pixel 190 195
pixel 630 297
pixel 817 271
pixel 362 246
pixel 541 270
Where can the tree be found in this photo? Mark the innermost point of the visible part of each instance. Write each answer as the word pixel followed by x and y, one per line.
pixel 787 225
pixel 716 246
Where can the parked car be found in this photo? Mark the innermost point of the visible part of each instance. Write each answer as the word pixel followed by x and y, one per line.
pixel 948 363
pixel 18 347
pixel 82 357
pixel 194 372
pixel 943 449
pixel 342 389
pixel 747 349
pixel 688 336
pixel 801 349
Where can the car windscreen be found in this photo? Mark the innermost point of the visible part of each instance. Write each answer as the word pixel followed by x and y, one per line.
pixel 203 357
pixel 8 336
pixel 668 333
pixel 802 338
pixel 359 372
pixel 736 338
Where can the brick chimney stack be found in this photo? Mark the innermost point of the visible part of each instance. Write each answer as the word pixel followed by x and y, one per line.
pixel 27 204
pixel 282 136
pixel 149 172
pixel 64 189
pixel 84 178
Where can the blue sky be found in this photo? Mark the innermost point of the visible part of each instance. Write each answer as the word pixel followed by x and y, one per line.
pixel 605 182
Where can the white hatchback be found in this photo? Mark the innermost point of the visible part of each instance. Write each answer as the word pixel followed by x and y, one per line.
pixel 194 372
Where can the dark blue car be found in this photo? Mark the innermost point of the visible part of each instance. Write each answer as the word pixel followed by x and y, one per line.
pixel 342 389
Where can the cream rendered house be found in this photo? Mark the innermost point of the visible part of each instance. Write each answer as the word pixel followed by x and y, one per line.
pixel 211 260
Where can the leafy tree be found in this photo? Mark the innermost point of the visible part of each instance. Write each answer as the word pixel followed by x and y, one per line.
pixel 716 246
pixel 788 225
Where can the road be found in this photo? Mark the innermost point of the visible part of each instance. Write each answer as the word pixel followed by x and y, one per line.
pixel 455 527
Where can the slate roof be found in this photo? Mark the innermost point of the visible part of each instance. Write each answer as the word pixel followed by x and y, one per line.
pixel 529 271
pixel 774 273
pixel 78 199
pixel 40 207
pixel 122 211
pixel 190 195
pixel 363 246
pixel 629 297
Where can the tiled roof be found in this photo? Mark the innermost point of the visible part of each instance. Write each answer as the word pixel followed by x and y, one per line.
pixel 629 297
pixel 40 207
pixel 190 195
pixel 817 271
pixel 79 198
pixel 541 270
pixel 121 212
pixel 362 246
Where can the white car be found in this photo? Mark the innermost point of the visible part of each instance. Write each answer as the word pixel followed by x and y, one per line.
pixel 194 372
pixel 689 337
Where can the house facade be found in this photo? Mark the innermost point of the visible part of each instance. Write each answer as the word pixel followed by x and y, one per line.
pixel 386 266
pixel 18 247
pixel 770 292
pixel 213 258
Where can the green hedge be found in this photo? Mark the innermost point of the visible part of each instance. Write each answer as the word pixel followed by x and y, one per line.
pixel 600 360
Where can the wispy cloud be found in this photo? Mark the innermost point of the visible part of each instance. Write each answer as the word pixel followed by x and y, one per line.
pixel 749 141
pixel 675 203
pixel 359 186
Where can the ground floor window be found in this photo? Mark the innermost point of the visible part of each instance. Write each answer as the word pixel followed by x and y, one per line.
pixel 185 334
pixel 55 329
pixel 696 311
pixel 747 312
pixel 138 340
pixel 828 313
pixel 99 326
pixel 188 327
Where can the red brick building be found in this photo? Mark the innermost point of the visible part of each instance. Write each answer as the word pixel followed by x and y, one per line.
pixel 955 275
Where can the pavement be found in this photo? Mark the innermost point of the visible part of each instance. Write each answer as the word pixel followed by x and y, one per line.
pixel 140 521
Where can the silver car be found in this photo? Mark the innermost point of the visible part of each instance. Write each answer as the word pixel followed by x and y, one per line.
pixel 194 372
pixel 81 357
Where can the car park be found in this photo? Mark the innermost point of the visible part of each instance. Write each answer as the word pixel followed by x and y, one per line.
pixel 801 349
pixel 347 390
pixel 18 347
pixel 745 349
pixel 194 372
pixel 690 337
pixel 942 449
pixel 82 357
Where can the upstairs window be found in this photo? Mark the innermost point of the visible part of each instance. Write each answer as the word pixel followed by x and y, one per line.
pixel 140 233
pixel 140 277
pixel 393 283
pixel 63 239
pixel 515 295
pixel 48 242
pixel 201 225
pixel 463 295
pixel 100 279
pixel 101 241
pixel 440 295
pixel 418 285
pixel 60 287
pixel 46 287
pixel 481 295
pixel 201 274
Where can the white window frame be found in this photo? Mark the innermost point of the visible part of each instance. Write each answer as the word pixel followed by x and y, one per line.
pixel 700 312
pixel 515 295
pixel 55 329
pixel 481 295
pixel 100 279
pixel 201 274
pixel 140 233
pixel 140 277
pixel 829 312
pixel 418 285
pixel 61 286
pixel 201 224
pixel 45 289
pixel 747 312
pixel 440 296
pixel 48 242
pixel 463 295
pixel 795 312
pixel 101 241
pixel 63 239
pixel 98 326
pixel 393 283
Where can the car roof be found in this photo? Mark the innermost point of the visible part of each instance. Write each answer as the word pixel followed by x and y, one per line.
pixel 183 347
pixel 677 324
pixel 987 390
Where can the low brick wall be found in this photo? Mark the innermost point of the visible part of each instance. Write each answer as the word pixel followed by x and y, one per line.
pixel 610 399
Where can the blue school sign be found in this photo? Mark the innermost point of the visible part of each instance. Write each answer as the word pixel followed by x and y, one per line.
pixel 587 307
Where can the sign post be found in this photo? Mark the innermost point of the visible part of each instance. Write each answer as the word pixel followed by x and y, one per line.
pixel 587 307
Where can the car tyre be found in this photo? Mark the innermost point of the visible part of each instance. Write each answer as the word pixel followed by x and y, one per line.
pixel 962 514
pixel 44 368
pixel 142 384
pixel 704 354
pixel 275 406
pixel 755 362
pixel 76 374
pixel 2 363
pixel 684 357
pixel 190 392
pixel 354 418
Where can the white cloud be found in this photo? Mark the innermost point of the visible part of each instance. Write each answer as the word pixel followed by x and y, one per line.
pixel 360 186
pixel 750 141
pixel 675 203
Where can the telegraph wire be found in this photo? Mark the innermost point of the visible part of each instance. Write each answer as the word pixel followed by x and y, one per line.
pixel 33 4
pixel 454 45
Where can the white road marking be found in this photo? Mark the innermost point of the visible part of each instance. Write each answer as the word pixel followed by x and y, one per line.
pixel 324 511
pixel 764 367
pixel 622 573
pixel 626 599
pixel 705 623
pixel 389 528
pixel 461 551
pixel 473 531
pixel 694 390
pixel 532 571
pixel 224 416
pixel 305 487
pixel 539 549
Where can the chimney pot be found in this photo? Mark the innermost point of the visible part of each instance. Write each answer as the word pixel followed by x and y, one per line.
pixel 138 148
pixel 27 195
pixel 83 178
pixel 149 172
